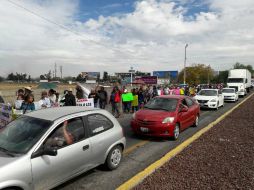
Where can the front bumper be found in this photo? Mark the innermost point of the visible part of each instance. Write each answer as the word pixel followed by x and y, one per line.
pixel 208 105
pixel 158 130
pixel 229 98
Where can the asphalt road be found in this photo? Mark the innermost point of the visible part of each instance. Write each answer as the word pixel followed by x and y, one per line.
pixel 140 153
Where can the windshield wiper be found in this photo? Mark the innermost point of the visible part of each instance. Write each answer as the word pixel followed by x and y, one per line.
pixel 7 152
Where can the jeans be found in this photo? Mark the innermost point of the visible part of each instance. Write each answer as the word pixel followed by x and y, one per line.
pixel 126 107
pixel 102 104
pixel 115 108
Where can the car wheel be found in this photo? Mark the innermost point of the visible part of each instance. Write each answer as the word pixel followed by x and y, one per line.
pixel 114 157
pixel 196 121
pixel 176 132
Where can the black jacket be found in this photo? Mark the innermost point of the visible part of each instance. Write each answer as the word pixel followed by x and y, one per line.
pixel 70 100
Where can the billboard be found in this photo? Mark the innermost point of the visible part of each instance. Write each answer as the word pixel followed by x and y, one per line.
pixel 91 75
pixel 148 79
pixel 166 74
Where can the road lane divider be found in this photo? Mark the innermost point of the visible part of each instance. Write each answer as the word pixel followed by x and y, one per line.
pixel 134 147
pixel 138 178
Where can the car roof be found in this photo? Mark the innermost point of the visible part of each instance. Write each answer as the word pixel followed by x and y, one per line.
pixel 53 114
pixel 179 97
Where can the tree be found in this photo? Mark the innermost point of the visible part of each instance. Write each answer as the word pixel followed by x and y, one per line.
pixel 42 77
pixel 242 66
pixel 1 79
pixel 48 76
pixel 197 74
pixel 105 76
pixel 222 77
pixel 80 78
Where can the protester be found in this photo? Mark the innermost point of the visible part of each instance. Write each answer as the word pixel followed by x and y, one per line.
pixel 28 91
pixel 28 104
pixel 102 97
pixel 52 96
pixel 79 92
pixel 45 101
pixel 20 92
pixel 93 95
pixel 127 98
pixel 134 103
pixel 1 99
pixel 182 91
pixel 70 99
pixel 115 99
pixel 141 99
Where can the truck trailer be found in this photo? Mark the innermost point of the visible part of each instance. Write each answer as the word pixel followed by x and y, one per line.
pixel 240 79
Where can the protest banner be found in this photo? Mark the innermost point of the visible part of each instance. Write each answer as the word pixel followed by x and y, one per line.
pixel 86 102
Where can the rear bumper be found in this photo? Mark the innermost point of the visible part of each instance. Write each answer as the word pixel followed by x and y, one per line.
pixel 159 130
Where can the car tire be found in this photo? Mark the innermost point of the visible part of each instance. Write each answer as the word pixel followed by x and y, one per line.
pixel 196 123
pixel 176 132
pixel 114 158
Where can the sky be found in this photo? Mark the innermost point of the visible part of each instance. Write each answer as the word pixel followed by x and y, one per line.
pixel 114 35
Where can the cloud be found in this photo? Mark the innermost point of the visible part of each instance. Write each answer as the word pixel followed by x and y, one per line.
pixel 152 37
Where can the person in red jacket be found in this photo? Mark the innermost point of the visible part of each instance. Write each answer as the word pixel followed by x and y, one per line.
pixel 115 99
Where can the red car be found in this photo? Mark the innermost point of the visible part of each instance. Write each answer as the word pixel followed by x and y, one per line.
pixel 166 116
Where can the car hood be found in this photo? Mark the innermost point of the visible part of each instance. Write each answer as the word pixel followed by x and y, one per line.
pixel 198 97
pixel 154 115
pixel 6 160
pixel 228 94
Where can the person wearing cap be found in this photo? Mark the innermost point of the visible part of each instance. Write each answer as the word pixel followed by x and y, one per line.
pixel 28 91
pixel 70 99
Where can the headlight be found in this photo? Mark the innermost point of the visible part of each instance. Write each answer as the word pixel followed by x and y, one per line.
pixel 213 100
pixel 168 120
pixel 134 116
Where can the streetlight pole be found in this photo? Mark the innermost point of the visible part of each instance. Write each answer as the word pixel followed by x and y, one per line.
pixel 184 71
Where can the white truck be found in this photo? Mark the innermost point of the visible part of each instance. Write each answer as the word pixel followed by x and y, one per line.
pixel 240 79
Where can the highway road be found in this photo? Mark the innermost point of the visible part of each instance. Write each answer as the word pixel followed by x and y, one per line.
pixel 140 153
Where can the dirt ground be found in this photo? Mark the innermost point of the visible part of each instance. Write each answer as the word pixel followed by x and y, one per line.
pixel 223 158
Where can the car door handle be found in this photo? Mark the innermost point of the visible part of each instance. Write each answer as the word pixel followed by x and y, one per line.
pixel 86 147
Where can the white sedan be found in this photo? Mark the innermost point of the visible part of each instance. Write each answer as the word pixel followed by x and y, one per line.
pixel 230 94
pixel 210 98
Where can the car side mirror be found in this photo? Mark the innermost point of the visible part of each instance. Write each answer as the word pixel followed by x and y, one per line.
pixel 44 151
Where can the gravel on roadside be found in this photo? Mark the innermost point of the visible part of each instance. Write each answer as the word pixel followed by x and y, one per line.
pixel 222 158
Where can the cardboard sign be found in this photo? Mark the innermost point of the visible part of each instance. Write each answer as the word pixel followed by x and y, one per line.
pixel 5 115
pixel 86 102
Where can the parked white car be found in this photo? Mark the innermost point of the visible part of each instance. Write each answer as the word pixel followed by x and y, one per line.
pixel 230 94
pixel 210 98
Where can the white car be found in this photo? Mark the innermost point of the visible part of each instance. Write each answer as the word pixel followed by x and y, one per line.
pixel 230 94
pixel 210 98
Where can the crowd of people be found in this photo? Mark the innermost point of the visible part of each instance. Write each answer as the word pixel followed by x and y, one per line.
pixel 134 99
pixel 131 99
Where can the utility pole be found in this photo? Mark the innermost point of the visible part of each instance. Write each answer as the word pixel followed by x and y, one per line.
pixel 184 71
pixel 55 69
pixel 61 71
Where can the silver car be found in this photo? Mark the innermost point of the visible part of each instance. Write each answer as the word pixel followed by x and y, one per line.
pixel 45 148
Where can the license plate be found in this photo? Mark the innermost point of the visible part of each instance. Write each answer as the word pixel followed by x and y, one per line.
pixel 144 130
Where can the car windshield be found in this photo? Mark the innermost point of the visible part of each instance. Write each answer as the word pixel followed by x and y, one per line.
pixel 235 80
pixel 208 93
pixel 168 104
pixel 228 90
pixel 20 135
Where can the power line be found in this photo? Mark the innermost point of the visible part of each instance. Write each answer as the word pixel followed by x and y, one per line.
pixel 55 23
